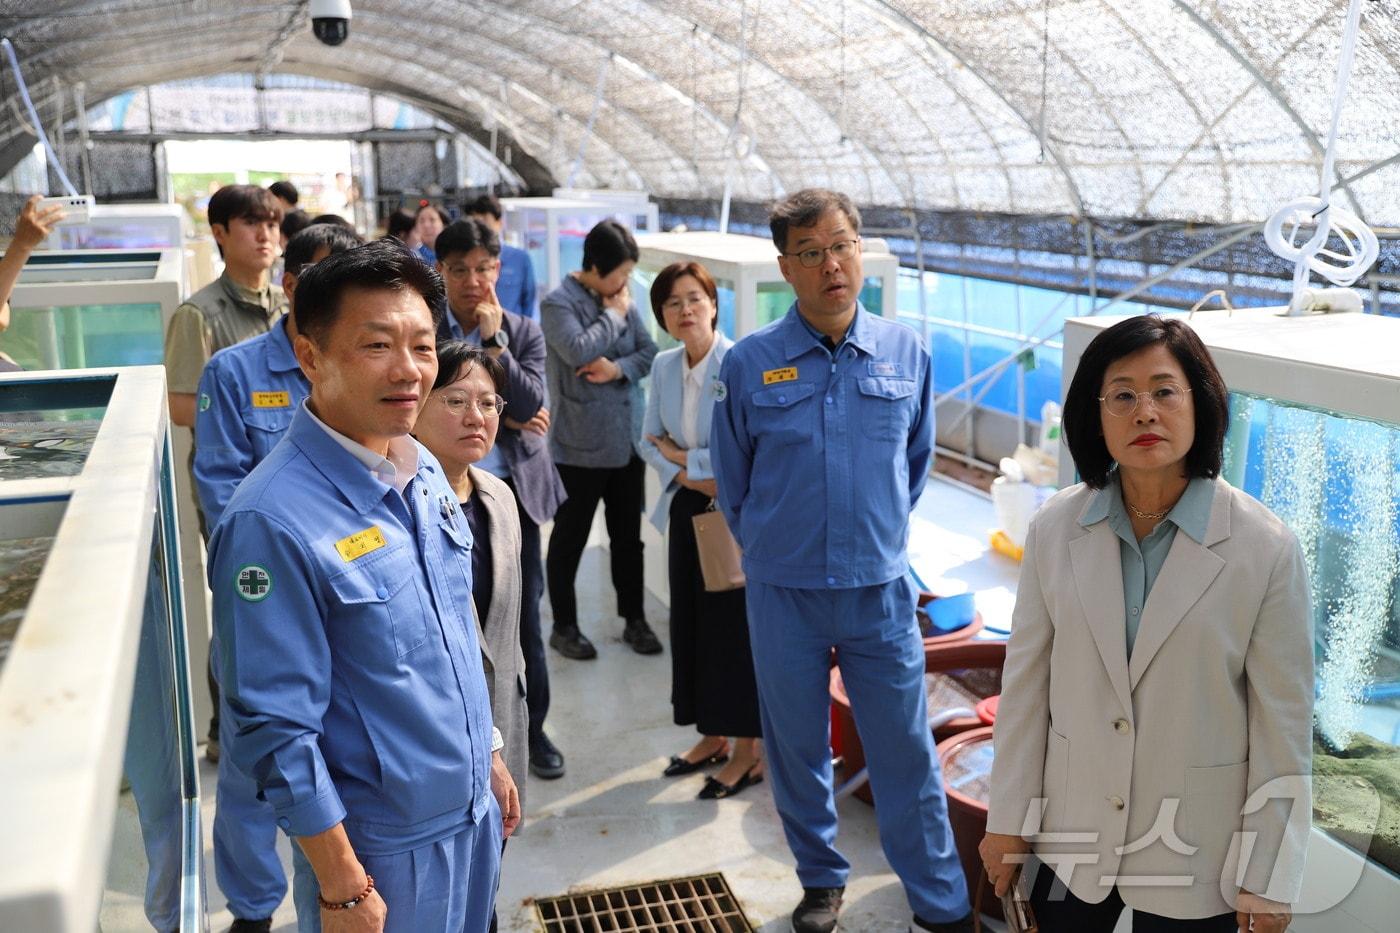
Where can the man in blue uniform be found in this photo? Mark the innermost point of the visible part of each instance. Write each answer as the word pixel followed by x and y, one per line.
pixel 515 286
pixel 247 396
pixel 352 677
pixel 833 405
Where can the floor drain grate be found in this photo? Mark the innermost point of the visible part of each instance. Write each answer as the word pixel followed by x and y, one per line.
pixel 701 904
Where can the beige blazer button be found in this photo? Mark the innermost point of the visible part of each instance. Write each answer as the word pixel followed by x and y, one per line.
pixel 1117 802
pixel 1120 726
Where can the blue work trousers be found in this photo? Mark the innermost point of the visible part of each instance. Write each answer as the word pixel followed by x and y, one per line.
pixel 246 864
pixel 448 885
pixel 881 655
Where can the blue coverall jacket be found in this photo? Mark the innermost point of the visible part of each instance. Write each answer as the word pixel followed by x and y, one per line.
pixel 349 653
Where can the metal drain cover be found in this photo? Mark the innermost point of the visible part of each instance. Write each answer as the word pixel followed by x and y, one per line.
pixel 699 904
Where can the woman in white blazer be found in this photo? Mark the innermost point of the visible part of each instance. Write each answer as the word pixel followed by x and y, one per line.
pixel 1153 739
pixel 712 679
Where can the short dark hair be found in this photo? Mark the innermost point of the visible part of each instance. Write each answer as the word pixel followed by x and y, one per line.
pixel 1082 420
pixel 608 245
pixel 400 223
pixel 665 281
pixel 302 247
pixel 455 357
pixel 243 202
pixel 295 222
pixel 483 204
pixel 332 219
pixel 383 264
pixel 285 190
pixel 804 208
pixel 463 236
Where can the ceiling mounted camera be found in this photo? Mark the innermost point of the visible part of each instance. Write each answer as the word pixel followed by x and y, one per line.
pixel 330 20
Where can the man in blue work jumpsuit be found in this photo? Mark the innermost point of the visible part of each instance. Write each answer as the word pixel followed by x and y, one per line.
pixel 821 440
pixel 341 573
pixel 247 395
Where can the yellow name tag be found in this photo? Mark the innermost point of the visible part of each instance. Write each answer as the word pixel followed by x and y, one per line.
pixel 360 543
pixel 788 374
pixel 271 400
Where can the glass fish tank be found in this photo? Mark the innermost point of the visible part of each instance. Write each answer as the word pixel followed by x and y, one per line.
pixel 551 231
pixel 1335 481
pixel 93 309
pixel 93 650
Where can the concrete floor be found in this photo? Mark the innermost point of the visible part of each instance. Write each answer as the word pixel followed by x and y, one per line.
pixel 612 819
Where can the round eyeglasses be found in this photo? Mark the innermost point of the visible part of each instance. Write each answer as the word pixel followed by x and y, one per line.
pixel 840 251
pixel 456 403
pixel 1167 397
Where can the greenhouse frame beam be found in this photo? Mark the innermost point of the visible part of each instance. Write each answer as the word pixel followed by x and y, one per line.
pixel 1268 86
pixel 939 42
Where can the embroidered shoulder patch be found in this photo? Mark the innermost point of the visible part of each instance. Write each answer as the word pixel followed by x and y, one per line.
pixel 204 401
pixel 719 390
pixel 253 583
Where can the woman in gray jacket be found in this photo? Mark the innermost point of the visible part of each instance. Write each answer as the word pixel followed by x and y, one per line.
pixel 598 351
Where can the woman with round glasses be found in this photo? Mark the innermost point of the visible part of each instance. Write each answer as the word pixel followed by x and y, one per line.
pixel 712 678
pixel 458 424
pixel 1155 720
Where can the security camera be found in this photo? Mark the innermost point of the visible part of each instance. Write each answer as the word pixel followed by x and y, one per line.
pixel 330 20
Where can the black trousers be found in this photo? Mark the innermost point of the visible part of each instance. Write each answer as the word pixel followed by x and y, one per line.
pixel 621 491
pixel 1068 914
pixel 531 639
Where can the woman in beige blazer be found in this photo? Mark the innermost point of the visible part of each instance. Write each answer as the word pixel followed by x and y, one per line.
pixel 458 424
pixel 1156 708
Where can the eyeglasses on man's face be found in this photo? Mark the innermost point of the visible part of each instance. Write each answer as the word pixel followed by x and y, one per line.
pixel 483 270
pixel 1167 397
pixel 841 251
pixel 456 404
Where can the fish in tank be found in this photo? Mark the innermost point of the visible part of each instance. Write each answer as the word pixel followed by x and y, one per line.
pixel 30 449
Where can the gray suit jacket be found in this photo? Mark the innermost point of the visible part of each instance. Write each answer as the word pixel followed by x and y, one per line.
pixel 527 455
pixel 593 425
pixel 1157 760
pixel 500 631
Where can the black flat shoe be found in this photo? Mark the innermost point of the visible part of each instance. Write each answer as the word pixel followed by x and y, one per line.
pixel 679 765
pixel 714 790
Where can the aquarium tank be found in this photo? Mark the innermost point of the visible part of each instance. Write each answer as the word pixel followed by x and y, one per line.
pixel 1335 481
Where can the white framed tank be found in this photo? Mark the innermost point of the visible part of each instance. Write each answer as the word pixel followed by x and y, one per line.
pixel 638 205
pixel 551 231
pixel 82 309
pixel 94 674
pixel 137 225
pixel 1315 435
pixel 752 291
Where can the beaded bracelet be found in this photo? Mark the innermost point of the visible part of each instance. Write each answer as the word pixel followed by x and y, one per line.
pixel 353 902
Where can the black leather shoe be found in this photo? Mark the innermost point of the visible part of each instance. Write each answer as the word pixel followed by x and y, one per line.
pixel 572 643
pixel 546 761
pixel 961 925
pixel 818 910
pixel 251 926
pixel 678 766
pixel 714 790
pixel 640 636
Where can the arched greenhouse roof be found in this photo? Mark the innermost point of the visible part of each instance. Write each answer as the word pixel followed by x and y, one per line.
pixel 1209 110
